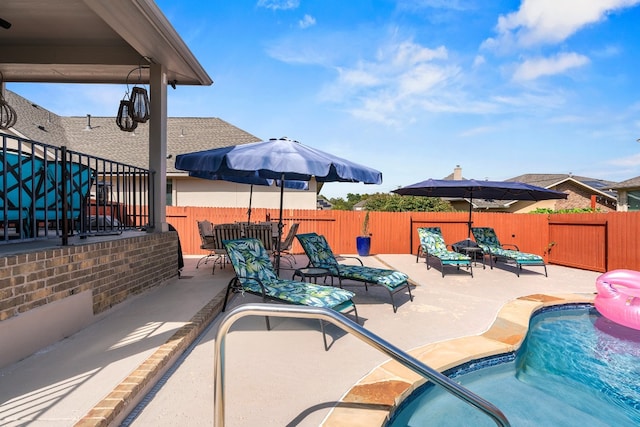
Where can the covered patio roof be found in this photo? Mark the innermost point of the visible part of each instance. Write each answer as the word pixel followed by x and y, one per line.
pixel 91 41
pixel 102 41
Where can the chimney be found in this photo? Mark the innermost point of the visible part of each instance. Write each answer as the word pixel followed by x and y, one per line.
pixel 88 127
pixel 457 173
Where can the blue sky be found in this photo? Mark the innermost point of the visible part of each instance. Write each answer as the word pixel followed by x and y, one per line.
pixel 413 87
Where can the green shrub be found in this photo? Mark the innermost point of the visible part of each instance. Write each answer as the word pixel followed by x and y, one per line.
pixel 562 211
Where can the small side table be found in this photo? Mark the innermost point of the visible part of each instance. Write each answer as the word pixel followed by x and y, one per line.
pixel 308 273
pixel 472 252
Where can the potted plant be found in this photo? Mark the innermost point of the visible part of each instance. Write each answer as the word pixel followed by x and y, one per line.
pixel 363 241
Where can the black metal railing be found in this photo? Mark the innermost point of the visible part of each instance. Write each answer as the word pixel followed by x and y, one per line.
pixel 51 192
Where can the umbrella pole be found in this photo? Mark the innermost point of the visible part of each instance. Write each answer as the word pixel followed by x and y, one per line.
pixel 470 222
pixel 249 211
pixel 280 226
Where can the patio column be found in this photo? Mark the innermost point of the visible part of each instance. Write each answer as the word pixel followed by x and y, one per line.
pixel 158 146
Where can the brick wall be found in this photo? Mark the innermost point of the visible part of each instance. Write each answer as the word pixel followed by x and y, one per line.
pixel 579 198
pixel 113 270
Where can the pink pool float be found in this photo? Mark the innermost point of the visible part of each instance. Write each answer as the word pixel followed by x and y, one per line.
pixel 618 297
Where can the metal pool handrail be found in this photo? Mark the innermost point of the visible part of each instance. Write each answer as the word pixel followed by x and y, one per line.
pixel 347 325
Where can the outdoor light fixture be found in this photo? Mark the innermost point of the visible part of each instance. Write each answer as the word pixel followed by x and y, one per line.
pixel 133 109
pixel 8 116
pixel 140 103
pixel 124 120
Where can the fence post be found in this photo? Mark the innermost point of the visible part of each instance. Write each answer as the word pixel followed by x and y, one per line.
pixel 65 206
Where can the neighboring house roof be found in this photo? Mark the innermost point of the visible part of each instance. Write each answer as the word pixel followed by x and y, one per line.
pixel 450 177
pixel 360 205
pixel 101 137
pixel 323 204
pixel 628 184
pixel 592 185
pixel 596 185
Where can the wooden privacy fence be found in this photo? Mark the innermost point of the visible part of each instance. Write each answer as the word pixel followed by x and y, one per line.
pixel 590 241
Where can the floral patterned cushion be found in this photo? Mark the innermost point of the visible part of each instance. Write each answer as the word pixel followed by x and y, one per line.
pixel 320 255
pixel 253 267
pixel 488 241
pixel 433 244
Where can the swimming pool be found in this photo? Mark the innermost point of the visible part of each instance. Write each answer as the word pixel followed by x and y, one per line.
pixel 574 368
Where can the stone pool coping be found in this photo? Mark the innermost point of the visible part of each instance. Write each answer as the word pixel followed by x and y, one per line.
pixel 373 400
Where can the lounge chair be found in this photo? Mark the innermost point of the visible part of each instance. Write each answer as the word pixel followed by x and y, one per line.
pixel 486 238
pixel 321 256
pixel 432 245
pixel 255 275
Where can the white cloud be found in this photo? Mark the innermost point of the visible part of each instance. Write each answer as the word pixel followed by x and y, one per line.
pixel 531 69
pixel 609 51
pixel 540 22
pixel 307 21
pixel 630 161
pixel 358 77
pixel 479 60
pixel 279 4
pixel 480 130
pixel 436 4
pixel 531 101
pixel 402 80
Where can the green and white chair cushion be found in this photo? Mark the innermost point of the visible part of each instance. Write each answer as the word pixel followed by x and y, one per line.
pixel 390 279
pixel 520 257
pixel 290 291
pixel 487 240
pixel 320 255
pixel 432 245
pixel 255 274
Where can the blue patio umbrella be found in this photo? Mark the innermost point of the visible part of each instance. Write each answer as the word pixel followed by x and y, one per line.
pixel 471 188
pixel 279 159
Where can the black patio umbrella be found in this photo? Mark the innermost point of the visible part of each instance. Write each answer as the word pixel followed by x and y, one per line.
pixel 281 159
pixel 471 188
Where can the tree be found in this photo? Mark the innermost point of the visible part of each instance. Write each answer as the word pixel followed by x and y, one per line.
pixel 385 202
pixel 340 204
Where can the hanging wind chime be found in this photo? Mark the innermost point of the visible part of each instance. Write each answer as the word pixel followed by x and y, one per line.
pixel 133 109
pixel 8 116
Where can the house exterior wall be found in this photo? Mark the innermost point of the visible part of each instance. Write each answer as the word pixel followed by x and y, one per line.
pixel 222 194
pixel 61 290
pixel 527 207
pixel 579 198
pixel 624 202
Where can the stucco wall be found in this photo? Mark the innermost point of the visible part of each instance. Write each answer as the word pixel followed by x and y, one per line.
pixel 222 194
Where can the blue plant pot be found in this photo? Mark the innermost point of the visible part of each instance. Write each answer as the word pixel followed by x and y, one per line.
pixel 363 244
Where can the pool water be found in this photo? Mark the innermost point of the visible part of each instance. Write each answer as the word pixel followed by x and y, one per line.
pixel 575 368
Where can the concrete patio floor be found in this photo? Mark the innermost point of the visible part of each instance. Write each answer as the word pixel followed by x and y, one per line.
pixel 281 377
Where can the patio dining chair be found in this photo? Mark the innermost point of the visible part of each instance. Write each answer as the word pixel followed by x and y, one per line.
pixel 255 275
pixel 261 232
pixel 432 245
pixel 321 256
pixel 207 240
pixel 488 241
pixel 286 245
pixel 222 232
